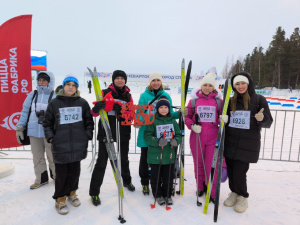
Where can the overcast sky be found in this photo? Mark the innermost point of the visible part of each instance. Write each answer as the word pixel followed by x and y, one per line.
pixel 140 36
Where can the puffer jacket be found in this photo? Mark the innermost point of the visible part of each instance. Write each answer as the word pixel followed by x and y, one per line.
pixel 244 144
pixel 43 94
pixel 69 141
pixel 151 139
pixel 145 98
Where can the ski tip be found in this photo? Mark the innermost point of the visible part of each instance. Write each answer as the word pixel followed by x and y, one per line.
pixel 168 208
pixel 152 206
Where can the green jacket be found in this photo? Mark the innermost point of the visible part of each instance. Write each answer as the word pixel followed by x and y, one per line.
pixel 151 139
pixel 146 97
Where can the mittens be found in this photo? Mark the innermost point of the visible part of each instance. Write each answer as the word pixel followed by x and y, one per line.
pixel 196 128
pixel 162 142
pixel 174 142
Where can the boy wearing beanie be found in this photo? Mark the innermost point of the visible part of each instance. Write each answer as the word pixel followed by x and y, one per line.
pixel 68 126
pixel 162 136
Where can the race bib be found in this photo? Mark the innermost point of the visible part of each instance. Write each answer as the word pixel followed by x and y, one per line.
pixel 160 129
pixel 207 113
pixel 70 114
pixel 240 119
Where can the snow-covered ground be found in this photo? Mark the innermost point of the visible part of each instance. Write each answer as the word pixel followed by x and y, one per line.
pixel 273 187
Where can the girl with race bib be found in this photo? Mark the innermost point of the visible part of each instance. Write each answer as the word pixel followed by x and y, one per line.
pixel 206 100
pixel 248 113
pixel 162 136
pixel 68 126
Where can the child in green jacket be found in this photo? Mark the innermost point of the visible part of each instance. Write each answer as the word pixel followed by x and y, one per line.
pixel 162 136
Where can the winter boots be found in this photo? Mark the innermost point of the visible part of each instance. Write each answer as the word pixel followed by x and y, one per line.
pixel 231 200
pixel 95 200
pixel 35 185
pixel 161 200
pixel 73 199
pixel 241 204
pixel 169 201
pixel 60 205
pixel 146 189
pixel 129 186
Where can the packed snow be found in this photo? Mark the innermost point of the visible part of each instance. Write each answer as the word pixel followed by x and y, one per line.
pixel 273 187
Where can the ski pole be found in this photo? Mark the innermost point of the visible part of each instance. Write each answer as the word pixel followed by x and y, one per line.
pixel 167 207
pixel 121 217
pixel 161 154
pixel 197 162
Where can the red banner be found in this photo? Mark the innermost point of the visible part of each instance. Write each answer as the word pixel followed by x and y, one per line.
pixel 15 75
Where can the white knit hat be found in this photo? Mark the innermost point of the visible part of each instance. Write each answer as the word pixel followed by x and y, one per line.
pixel 155 75
pixel 240 78
pixel 209 78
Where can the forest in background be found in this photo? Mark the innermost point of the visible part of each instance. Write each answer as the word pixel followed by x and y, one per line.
pixel 278 66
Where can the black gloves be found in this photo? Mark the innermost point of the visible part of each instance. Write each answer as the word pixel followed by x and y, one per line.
pixel 98 106
pixel 117 108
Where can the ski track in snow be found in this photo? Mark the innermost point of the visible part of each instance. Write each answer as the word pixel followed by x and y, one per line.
pixel 273 187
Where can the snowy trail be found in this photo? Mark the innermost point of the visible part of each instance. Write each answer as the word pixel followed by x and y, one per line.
pixel 273 187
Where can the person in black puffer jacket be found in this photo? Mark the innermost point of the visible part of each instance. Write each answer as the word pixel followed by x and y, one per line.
pixel 121 93
pixel 68 126
pixel 247 113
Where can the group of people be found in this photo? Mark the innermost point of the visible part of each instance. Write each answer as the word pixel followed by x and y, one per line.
pixel 60 124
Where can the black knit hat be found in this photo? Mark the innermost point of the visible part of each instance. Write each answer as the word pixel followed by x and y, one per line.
pixel 44 76
pixel 119 73
pixel 163 101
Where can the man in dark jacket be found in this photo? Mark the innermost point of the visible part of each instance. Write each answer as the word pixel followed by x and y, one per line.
pixel 68 126
pixel 247 113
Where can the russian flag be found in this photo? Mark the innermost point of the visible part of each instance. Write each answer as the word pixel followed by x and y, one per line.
pixel 38 60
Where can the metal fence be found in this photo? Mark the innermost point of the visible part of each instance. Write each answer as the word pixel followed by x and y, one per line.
pixel 281 142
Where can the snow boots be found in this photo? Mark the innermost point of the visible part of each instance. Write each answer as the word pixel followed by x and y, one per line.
pixel 241 204
pixel 73 199
pixel 35 185
pixel 60 205
pixel 95 200
pixel 129 186
pixel 169 201
pixel 231 200
pixel 146 189
pixel 161 200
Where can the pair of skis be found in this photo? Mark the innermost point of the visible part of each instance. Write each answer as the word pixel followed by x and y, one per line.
pixel 218 155
pixel 109 143
pixel 184 89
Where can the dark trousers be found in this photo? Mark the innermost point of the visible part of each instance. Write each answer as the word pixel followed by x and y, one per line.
pixel 67 178
pixel 237 176
pixel 100 167
pixel 163 179
pixel 143 168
